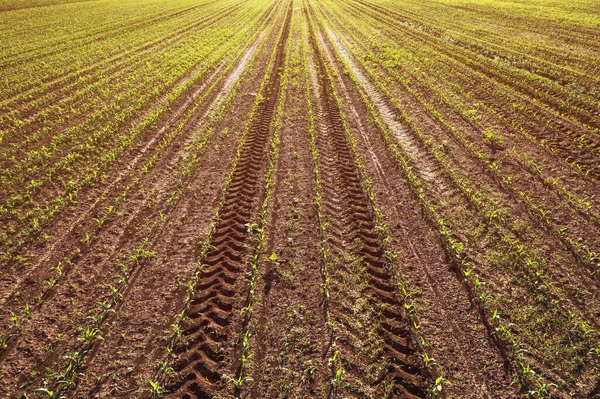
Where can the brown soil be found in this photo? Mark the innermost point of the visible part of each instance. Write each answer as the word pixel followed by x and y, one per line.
pixel 279 230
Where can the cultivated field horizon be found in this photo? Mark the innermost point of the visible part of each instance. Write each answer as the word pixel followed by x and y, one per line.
pixel 299 199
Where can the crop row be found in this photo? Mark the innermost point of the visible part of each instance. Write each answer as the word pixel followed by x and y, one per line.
pixel 31 210
pixel 125 198
pixel 477 199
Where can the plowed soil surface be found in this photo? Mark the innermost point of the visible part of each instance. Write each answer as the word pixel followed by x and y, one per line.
pixel 299 199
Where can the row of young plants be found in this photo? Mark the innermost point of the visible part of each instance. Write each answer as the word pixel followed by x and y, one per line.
pixel 435 114
pixel 114 207
pixel 496 51
pixel 554 157
pixel 60 78
pixel 112 212
pixel 481 64
pixel 87 38
pixel 125 101
pixel 164 371
pixel 75 156
pixel 81 30
pixel 401 285
pixel 541 211
pixel 60 381
pixel 260 233
pixel 434 214
pixel 521 86
pixel 60 378
pixel 542 164
pixel 524 192
pixel 35 219
pixel 539 124
pixel 73 97
pixel 564 56
pixel 324 225
pixel 482 118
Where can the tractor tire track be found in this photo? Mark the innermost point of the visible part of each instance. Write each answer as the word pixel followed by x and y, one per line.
pixel 203 360
pixel 348 210
pixel 461 156
pixel 443 200
pixel 136 324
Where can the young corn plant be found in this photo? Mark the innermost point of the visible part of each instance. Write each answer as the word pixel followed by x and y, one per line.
pixel 155 389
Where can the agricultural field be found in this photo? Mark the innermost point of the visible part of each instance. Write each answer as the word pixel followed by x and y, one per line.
pixel 300 199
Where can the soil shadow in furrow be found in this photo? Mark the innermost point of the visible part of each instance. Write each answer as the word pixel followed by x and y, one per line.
pixel 210 351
